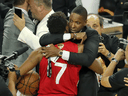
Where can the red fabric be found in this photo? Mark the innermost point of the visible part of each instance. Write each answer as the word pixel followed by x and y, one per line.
pixel 64 79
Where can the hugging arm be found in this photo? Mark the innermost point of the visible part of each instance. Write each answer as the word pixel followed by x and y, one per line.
pixel 108 74
pixel 90 49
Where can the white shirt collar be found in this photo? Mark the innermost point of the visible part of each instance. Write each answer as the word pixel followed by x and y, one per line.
pixel 24 11
pixel 46 17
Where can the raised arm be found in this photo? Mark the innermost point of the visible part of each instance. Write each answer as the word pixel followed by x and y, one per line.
pixel 58 38
pixel 110 69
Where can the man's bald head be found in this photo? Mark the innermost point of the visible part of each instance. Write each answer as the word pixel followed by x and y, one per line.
pixel 95 22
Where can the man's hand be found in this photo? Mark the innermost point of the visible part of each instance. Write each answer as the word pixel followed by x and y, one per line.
pixel 19 22
pixel 119 55
pixel 102 49
pixel 50 51
pixel 126 81
pixel 79 36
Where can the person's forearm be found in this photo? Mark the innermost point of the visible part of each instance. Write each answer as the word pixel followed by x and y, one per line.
pixel 12 88
pixel 26 36
pixel 108 55
pixel 96 67
pixel 110 69
pixel 53 38
pixel 31 62
pixel 108 72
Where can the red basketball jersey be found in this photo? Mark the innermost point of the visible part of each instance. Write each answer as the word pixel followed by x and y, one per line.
pixel 64 78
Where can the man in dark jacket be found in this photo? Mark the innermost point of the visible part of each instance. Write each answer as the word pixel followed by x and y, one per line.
pixel 88 85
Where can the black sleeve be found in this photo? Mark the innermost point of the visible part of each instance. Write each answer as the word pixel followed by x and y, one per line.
pixel 117 80
pixel 90 50
pixel 123 92
pixel 3 10
pixel 51 38
pixel 4 91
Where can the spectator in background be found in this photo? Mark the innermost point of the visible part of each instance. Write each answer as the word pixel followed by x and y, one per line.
pixel 108 43
pixel 119 10
pixel 30 38
pixel 66 6
pixel 116 82
pixel 11 33
pixel 108 46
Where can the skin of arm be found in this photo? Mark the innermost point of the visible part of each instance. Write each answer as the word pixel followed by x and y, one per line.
pixel 109 71
pixel 34 58
pixel 102 49
pixel 126 56
pixel 11 84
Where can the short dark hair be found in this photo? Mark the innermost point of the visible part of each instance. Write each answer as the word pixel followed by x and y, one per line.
pixel 100 18
pixel 18 2
pixel 81 11
pixel 57 23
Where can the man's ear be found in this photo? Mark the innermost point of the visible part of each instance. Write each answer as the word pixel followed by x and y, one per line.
pixel 41 8
pixel 67 29
pixel 102 28
pixel 85 22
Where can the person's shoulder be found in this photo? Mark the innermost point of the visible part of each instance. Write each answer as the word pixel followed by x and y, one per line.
pixel 9 14
pixel 108 36
pixel 90 30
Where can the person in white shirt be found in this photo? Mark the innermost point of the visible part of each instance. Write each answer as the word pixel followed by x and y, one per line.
pixel 41 10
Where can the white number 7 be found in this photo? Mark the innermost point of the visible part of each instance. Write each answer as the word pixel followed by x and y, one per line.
pixel 64 66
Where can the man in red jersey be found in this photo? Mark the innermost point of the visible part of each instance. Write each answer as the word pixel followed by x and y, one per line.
pixel 61 78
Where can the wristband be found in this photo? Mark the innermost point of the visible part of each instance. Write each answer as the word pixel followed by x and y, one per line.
pixel 114 59
pixel 74 36
pixel 126 62
pixel 109 55
pixel 60 53
pixel 18 73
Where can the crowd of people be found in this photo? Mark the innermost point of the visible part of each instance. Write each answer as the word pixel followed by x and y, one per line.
pixel 71 44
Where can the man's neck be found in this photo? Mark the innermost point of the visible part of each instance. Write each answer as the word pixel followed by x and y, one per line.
pixel 46 12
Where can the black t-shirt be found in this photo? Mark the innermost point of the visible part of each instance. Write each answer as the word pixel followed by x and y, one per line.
pixel 117 82
pixel 118 85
